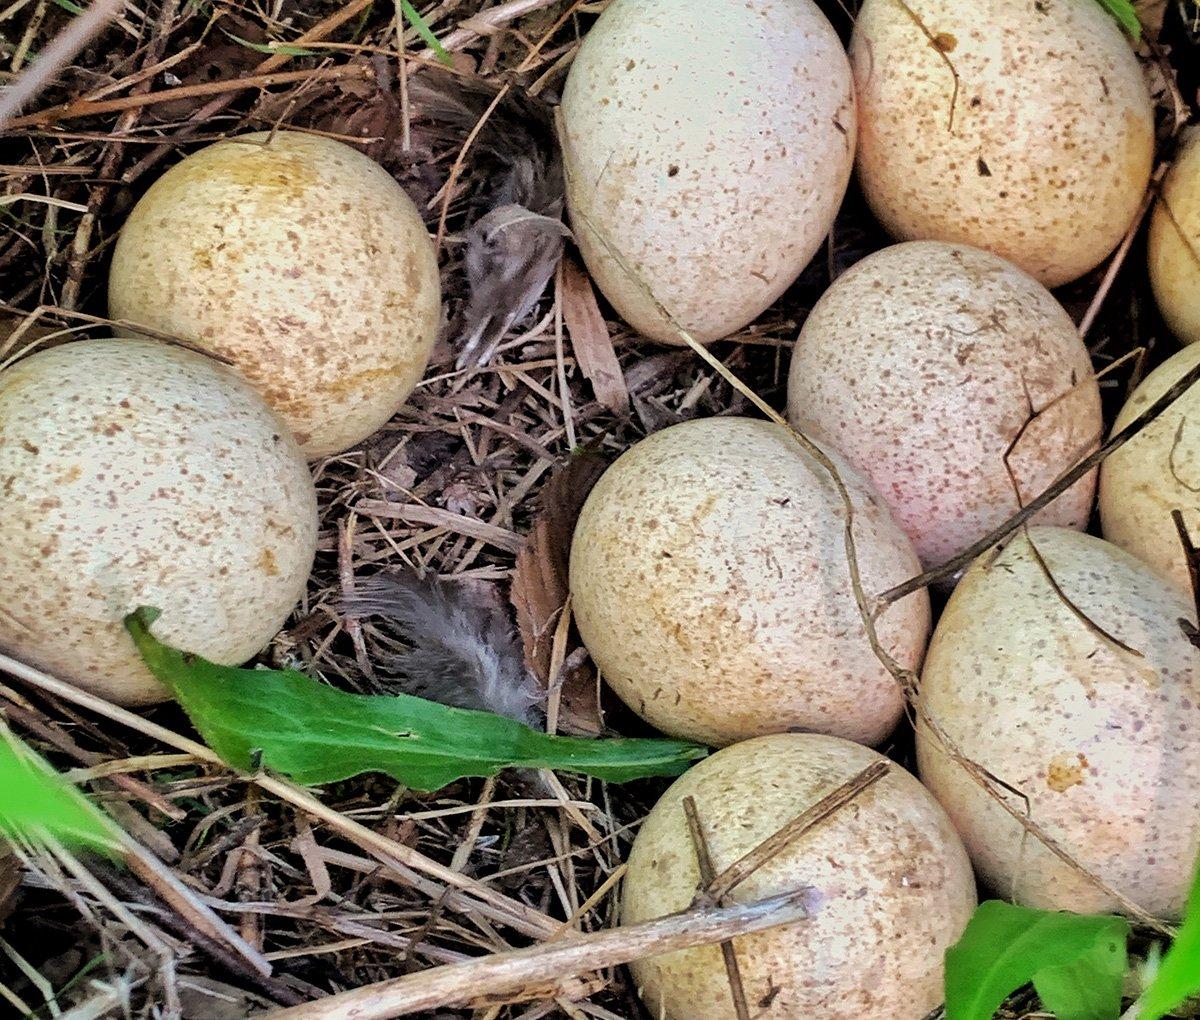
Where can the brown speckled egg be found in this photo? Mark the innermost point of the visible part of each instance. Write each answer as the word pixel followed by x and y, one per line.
pixel 710 584
pixel 301 261
pixel 1023 128
pixel 1174 244
pixel 137 473
pixel 1088 704
pixel 707 147
pixel 921 364
pixel 1157 471
pixel 889 887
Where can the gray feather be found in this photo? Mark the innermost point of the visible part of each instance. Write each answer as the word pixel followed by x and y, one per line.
pixel 460 648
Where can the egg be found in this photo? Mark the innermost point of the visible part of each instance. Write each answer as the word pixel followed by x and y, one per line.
pixel 138 473
pixel 956 383
pixel 301 261
pixel 1025 129
pixel 707 148
pixel 1074 684
pixel 710 583
pixel 889 886
pixel 1156 472
pixel 1174 244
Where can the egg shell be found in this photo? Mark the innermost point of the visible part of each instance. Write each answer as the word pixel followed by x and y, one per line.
pixel 138 473
pixel 1156 472
pixel 1174 244
pixel 921 364
pixel 301 261
pixel 1026 129
pixel 707 149
pixel 710 584
pixel 889 886
pixel 1104 741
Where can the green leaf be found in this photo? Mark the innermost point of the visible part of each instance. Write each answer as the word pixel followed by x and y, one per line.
pixel 424 31
pixel 37 800
pixel 1178 975
pixel 1126 15
pixel 1075 962
pixel 313 733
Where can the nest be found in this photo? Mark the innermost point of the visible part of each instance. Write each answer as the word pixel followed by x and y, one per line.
pixel 528 369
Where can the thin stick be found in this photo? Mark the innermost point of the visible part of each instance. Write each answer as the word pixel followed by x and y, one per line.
pixel 505 973
pixel 1064 482
pixel 707 875
pixel 87 108
pixel 1118 259
pixel 56 56
pixel 410 863
pixel 835 800
pixel 1192 558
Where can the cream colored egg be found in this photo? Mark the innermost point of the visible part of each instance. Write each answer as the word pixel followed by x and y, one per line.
pixel 889 886
pixel 710 583
pixel 707 149
pixel 1174 245
pixel 1026 129
pixel 301 261
pixel 1156 472
pixel 1074 684
pixel 137 473
pixel 956 383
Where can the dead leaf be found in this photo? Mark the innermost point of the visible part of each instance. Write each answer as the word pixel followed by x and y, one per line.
pixel 539 591
pixel 590 340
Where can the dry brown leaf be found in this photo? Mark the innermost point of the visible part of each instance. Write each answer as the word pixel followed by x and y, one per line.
pixel 590 340
pixel 539 591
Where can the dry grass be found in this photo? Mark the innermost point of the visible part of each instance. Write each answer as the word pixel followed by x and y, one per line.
pixel 328 896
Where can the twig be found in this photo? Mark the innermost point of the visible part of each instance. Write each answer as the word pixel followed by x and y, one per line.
pixel 1118 259
pixel 707 875
pixel 56 56
pixel 488 20
pixel 1192 559
pixel 504 973
pixel 1064 482
pixel 89 108
pixel 835 800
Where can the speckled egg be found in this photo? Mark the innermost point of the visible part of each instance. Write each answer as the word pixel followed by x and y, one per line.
pixel 710 584
pixel 956 383
pixel 1023 128
pixel 301 261
pixel 889 886
pixel 1070 680
pixel 1174 244
pixel 137 473
pixel 1157 471
pixel 707 149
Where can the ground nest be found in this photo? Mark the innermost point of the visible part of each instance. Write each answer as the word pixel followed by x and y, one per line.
pixel 472 478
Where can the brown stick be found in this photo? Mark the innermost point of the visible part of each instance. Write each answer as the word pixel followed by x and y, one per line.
pixel 504 973
pixel 707 874
pixel 90 108
pixel 835 800
pixel 1065 481
pixel 1192 558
